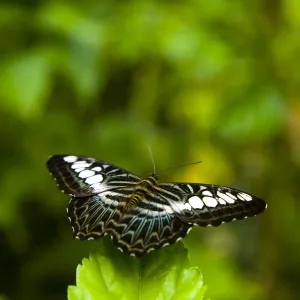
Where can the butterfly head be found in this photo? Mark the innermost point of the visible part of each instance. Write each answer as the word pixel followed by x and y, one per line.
pixel 153 177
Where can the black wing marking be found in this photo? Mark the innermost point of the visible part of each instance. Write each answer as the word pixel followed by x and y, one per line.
pixel 136 232
pixel 81 176
pixel 206 204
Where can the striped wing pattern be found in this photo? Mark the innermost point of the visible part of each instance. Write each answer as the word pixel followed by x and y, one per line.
pixel 141 215
pixel 207 204
pixel 136 232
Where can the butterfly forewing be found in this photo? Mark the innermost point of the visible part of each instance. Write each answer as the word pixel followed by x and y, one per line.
pixel 82 176
pixel 139 214
pixel 206 204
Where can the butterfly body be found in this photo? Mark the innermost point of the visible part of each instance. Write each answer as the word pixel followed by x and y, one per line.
pixel 141 191
pixel 142 214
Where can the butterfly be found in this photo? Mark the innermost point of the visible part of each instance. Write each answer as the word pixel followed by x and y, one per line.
pixel 141 215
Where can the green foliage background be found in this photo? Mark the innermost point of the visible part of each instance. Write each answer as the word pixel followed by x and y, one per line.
pixel 216 81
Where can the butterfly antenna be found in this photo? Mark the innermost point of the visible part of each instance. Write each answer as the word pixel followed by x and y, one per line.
pixel 179 166
pixel 151 155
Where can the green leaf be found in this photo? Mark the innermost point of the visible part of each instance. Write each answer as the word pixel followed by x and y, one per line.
pixel 163 274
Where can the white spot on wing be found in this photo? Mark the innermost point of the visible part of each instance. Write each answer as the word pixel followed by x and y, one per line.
pixel 79 170
pixel 80 164
pixel 225 197
pixel 196 202
pixel 207 193
pixel 86 173
pixel 210 202
pixel 231 196
pixel 187 206
pixel 97 169
pixel 70 158
pixel 189 229
pixel 222 201
pixel 94 179
pixel 244 196
pixel 190 188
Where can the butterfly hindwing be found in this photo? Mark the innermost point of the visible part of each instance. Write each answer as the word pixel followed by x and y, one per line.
pixel 142 230
pixel 135 232
pixel 206 204
pixel 90 216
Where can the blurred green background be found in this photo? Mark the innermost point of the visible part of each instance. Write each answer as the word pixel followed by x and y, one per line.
pixel 216 81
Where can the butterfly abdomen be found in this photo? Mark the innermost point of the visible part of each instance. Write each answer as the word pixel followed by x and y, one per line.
pixel 142 190
pixel 133 201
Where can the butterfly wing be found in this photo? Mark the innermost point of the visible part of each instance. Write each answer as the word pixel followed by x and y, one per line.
pixel 144 229
pixel 81 176
pixel 137 231
pixel 100 192
pixel 206 204
pixel 89 216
